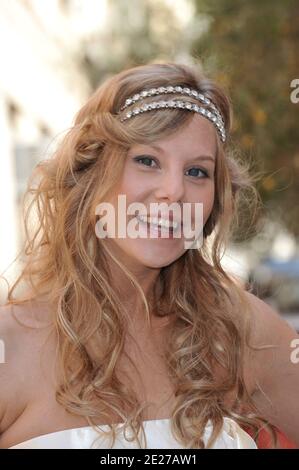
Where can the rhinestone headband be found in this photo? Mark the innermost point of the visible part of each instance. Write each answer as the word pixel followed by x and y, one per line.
pixel 213 114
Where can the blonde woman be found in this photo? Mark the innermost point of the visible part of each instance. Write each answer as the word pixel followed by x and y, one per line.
pixel 127 342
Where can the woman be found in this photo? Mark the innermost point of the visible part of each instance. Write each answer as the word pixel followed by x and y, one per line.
pixel 145 333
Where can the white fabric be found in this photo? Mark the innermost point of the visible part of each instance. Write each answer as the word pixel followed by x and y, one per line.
pixel 158 435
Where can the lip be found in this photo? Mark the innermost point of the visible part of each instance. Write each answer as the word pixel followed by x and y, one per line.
pixel 157 230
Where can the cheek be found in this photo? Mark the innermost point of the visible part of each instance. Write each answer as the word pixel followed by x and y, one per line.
pixel 208 204
pixel 206 197
pixel 133 186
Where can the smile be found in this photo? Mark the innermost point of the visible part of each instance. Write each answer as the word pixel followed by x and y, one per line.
pixel 155 222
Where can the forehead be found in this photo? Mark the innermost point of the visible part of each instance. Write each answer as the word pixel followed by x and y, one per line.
pixel 198 135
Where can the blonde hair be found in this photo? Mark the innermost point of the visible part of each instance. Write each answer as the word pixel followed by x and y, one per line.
pixel 67 264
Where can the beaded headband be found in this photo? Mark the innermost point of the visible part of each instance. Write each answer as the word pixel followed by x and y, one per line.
pixel 211 112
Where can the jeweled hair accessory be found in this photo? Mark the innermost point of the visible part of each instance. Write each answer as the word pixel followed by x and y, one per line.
pixel 211 112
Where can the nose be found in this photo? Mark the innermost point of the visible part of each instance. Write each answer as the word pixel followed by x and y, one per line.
pixel 171 187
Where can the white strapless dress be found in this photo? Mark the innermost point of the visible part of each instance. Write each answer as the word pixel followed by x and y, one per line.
pixel 158 436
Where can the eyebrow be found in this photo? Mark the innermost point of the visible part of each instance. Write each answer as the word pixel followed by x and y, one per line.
pixel 200 157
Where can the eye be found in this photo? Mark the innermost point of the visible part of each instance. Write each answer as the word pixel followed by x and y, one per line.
pixel 203 172
pixel 146 161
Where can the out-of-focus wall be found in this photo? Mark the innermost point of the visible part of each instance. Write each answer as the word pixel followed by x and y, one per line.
pixel 41 89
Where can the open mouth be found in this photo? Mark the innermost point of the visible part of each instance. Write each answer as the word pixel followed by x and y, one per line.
pixel 158 226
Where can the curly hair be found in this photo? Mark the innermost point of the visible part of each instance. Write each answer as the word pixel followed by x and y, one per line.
pixel 66 264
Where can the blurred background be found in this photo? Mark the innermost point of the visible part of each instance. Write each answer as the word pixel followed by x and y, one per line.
pixel 54 53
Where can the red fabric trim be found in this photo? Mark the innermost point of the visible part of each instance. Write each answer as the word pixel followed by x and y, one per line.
pixel 264 440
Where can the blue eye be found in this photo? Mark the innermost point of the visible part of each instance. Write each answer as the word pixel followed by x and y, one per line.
pixel 146 161
pixel 199 169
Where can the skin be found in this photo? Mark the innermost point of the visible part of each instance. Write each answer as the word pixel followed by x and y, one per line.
pixel 174 173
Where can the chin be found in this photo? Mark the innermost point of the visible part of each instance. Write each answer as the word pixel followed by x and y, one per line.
pixel 148 254
pixel 158 260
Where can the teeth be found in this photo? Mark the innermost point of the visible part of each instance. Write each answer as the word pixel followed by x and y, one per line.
pixel 159 222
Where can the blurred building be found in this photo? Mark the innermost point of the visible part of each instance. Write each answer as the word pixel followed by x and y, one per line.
pixel 41 88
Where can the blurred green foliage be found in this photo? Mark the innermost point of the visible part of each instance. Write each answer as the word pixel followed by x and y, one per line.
pixel 252 48
pixel 139 31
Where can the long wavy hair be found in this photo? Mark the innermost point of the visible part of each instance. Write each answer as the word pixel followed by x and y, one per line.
pixel 67 265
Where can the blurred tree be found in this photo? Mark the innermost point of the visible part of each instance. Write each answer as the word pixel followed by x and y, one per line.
pixel 252 48
pixel 137 32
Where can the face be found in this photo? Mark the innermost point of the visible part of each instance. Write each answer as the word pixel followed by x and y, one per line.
pixel 177 169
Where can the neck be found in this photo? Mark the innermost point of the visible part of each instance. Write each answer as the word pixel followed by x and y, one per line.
pixel 149 280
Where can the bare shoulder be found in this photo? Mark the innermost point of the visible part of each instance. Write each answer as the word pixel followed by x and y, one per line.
pixel 268 325
pixel 274 367
pixel 23 332
pixel 272 338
